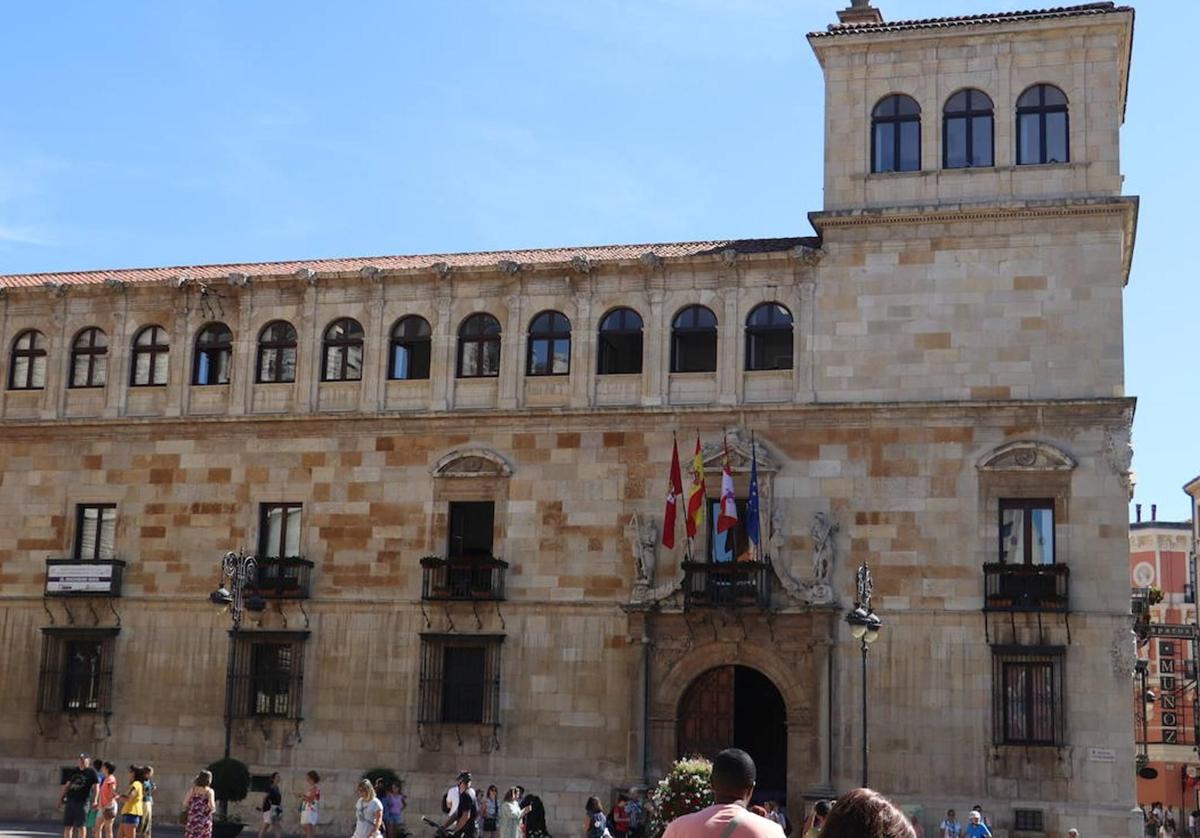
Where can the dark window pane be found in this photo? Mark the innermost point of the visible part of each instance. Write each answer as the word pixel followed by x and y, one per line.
pixel 463 688
pixel 81 676
pixel 905 106
pixel 958 102
pixel 910 146
pixel 769 349
pixel 1052 95
pixel 539 357
pixel 561 361
pixel 956 143
pixel 410 360
pixel 620 354
pixel 1056 138
pixel 695 351
pixel 981 141
pixel 885 158
pixel 471 527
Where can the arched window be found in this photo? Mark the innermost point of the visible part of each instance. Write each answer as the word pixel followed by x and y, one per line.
pixel 214 355
pixel 150 354
pixel 694 340
pixel 410 349
pixel 620 343
pixel 896 135
pixel 549 344
pixel 769 338
pixel 89 358
pixel 342 351
pixel 1042 125
pixel 27 362
pixel 968 124
pixel 479 347
pixel 277 353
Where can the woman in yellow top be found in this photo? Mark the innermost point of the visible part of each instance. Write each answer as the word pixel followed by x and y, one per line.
pixel 132 807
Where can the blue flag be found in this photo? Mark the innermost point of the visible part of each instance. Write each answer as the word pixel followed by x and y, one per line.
pixel 752 529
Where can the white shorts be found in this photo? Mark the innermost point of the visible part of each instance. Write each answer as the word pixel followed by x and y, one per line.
pixel 272 816
pixel 308 817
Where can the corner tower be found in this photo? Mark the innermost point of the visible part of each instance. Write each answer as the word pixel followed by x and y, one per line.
pixel 982 108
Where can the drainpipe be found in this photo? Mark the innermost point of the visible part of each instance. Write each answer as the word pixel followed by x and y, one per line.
pixel 645 709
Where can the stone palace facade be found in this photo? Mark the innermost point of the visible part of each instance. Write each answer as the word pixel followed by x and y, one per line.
pixel 452 470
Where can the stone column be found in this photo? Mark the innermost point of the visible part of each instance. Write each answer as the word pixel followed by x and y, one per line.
pixel 308 364
pixel 442 356
pixel 728 353
pixel 804 343
pixel 375 348
pixel 57 374
pixel 178 380
pixel 656 337
pixel 242 369
pixel 512 352
pixel 583 342
pixel 119 352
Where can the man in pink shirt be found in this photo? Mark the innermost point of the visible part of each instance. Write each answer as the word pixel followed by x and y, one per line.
pixel 733 778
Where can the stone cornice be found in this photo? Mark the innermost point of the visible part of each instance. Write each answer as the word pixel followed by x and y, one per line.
pixel 711 419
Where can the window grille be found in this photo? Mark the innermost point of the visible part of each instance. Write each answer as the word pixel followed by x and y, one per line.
pixel 1028 820
pixel 1027 695
pixel 76 673
pixel 268 676
pixel 460 679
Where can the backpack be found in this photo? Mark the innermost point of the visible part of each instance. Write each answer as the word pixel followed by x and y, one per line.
pixel 599 827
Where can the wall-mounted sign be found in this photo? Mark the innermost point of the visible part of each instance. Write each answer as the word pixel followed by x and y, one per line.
pixel 65 577
pixel 1102 755
pixel 1171 630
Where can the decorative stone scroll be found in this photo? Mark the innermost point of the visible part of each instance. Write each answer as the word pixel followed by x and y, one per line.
pixel 816 589
pixel 472 462
pixel 1027 455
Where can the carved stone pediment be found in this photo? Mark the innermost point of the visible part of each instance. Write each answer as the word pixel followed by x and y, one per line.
pixel 1027 455
pixel 472 462
pixel 739 454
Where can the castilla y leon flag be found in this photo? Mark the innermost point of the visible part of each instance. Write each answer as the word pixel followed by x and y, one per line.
pixel 674 496
pixel 696 494
pixel 727 517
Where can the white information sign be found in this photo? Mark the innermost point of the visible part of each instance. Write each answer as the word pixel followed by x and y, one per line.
pixel 1102 755
pixel 84 577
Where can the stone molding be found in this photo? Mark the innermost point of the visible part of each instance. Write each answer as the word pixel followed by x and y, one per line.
pixel 471 462
pixel 972 212
pixel 1027 455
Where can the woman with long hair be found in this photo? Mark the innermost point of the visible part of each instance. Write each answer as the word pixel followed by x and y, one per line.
pixel 596 824
pixel 368 811
pixel 489 811
pixel 863 813
pixel 131 803
pixel 511 814
pixel 199 804
pixel 310 805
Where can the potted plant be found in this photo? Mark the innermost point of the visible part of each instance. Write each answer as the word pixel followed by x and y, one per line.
pixel 231 783
pixel 684 790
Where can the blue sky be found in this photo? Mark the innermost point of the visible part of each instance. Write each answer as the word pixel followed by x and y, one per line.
pixel 146 133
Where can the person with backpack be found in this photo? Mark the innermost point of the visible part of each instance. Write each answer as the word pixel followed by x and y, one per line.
pixel 596 824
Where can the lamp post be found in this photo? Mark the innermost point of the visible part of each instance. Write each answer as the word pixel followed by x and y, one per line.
pixel 864 627
pixel 238 573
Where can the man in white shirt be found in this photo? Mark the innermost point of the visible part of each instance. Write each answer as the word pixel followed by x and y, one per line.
pixel 452 793
pixel 733 778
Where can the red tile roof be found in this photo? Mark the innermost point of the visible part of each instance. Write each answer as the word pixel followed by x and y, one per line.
pixel 971 20
pixel 492 259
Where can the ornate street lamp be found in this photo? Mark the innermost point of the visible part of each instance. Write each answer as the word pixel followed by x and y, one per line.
pixel 239 573
pixel 864 627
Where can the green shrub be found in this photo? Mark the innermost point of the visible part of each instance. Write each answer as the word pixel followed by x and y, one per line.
pixel 386 774
pixel 231 779
pixel 684 790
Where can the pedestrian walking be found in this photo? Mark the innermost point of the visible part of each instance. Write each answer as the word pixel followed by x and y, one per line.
pixel 108 800
pixel 450 801
pixel 817 823
pixel 132 807
pixel 145 830
pixel 368 811
pixel 393 810
pixel 272 809
pixel 976 828
pixel 863 813
pixel 78 795
pixel 94 820
pixel 198 807
pixel 637 813
pixel 489 811
pixel 595 824
pixel 310 805
pixel 950 827
pixel 510 814
pixel 733 778
pixel 620 817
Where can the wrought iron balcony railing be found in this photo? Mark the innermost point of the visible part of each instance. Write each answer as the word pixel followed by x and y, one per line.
pixel 727 584
pixel 472 578
pixel 1026 587
pixel 283 578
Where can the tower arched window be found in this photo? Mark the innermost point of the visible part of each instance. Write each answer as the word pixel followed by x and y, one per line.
pixel 896 135
pixel 769 338
pixel 968 129
pixel 150 355
pixel 411 345
pixel 1043 123
pixel 694 340
pixel 549 344
pixel 27 361
pixel 620 343
pixel 342 351
pixel 89 359
pixel 214 355
pixel 277 353
pixel 479 347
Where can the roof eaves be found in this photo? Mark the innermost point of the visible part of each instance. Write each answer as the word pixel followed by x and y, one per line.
pixel 1084 10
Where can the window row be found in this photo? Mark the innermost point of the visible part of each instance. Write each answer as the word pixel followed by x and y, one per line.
pixel 768 338
pixel 968 130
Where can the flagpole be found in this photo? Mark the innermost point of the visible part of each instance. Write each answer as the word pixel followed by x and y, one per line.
pixel 757 506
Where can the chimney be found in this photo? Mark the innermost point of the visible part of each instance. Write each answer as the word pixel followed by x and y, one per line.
pixel 860 11
pixel 1154 512
pixel 1137 511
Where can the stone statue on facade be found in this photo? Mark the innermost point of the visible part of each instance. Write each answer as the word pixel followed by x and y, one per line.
pixel 823 531
pixel 643 538
pixel 815 590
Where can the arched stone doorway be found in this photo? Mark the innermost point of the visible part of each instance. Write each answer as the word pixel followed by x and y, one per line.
pixel 737 706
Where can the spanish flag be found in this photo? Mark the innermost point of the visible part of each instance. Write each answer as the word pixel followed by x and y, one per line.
pixel 697 494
